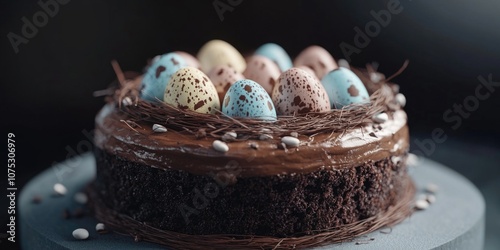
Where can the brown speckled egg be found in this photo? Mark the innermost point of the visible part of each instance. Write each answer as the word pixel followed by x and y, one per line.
pixel 316 58
pixel 189 88
pixel 297 92
pixel 190 59
pixel 223 77
pixel 263 71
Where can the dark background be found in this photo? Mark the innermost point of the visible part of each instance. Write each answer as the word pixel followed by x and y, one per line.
pixel 46 90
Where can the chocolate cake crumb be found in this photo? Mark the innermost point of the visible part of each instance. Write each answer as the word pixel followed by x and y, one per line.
pixel 278 205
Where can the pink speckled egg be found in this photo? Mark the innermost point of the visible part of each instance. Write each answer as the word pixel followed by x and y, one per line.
pixel 189 88
pixel 316 58
pixel 190 59
pixel 297 92
pixel 263 71
pixel 223 77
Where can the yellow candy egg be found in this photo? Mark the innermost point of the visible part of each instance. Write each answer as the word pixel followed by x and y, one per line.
pixel 218 52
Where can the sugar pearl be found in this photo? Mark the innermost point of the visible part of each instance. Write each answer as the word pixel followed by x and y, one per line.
pixel 60 189
pixel 421 204
pixel 127 101
pixel 431 198
pixel 290 141
pixel 229 136
pixel 81 234
pixel 157 128
pixel 100 227
pixel 81 198
pixel 401 99
pixel 264 137
pixel 220 146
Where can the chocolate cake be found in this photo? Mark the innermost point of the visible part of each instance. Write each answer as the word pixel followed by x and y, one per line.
pixel 170 174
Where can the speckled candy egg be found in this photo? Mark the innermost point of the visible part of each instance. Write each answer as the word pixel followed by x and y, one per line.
pixel 297 92
pixel 316 58
pixel 189 88
pixel 223 77
pixel 190 60
pixel 158 74
pixel 218 52
pixel 247 99
pixel 263 71
pixel 276 54
pixel 344 88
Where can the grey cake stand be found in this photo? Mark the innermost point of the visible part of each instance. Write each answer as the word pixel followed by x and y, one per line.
pixel 455 221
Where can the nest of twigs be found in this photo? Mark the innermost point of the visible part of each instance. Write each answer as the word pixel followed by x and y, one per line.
pixel 216 125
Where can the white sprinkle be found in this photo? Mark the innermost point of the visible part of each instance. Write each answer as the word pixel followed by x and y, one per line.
pixel 412 160
pixel 264 137
pixel 344 64
pixel 401 99
pixel 421 204
pixel 432 188
pixel 233 134
pixel 395 159
pixel 254 145
pixel 81 198
pixel 290 141
pixel 380 117
pixel 265 130
pixel 157 128
pixel 60 189
pixel 81 234
pixel 294 134
pixel 431 198
pixel 127 101
pixel 100 227
pixel 229 136
pixel 220 146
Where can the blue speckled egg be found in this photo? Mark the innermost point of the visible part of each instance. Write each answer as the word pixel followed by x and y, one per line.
pixel 277 54
pixel 158 74
pixel 247 99
pixel 344 87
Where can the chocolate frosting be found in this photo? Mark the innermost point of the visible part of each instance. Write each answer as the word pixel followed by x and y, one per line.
pixel 249 158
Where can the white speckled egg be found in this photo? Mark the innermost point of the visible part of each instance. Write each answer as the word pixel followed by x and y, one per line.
pixel 276 54
pixel 247 99
pixel 189 59
pixel 218 52
pixel 316 58
pixel 189 88
pixel 344 88
pixel 156 78
pixel 297 92
pixel 223 77
pixel 263 71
